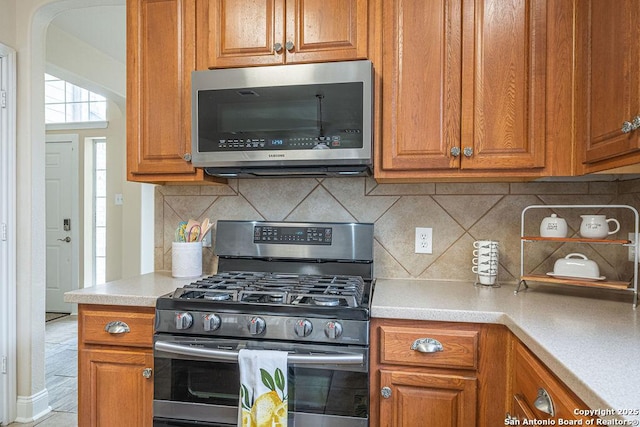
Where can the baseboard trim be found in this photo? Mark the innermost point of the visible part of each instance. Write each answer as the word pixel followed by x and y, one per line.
pixel 30 408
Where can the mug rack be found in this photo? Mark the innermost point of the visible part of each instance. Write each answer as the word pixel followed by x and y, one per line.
pixel 627 286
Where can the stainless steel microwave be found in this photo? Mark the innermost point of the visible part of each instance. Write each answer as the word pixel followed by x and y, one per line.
pixel 288 120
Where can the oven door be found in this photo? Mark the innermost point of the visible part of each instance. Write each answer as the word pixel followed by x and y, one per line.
pixel 197 380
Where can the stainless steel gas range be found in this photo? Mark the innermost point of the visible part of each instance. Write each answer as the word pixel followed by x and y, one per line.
pixel 304 288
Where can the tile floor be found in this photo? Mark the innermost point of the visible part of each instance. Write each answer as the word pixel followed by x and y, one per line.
pixel 61 367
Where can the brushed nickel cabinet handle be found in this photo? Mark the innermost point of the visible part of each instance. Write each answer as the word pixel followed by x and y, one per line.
pixel 544 403
pixel 455 151
pixel 146 372
pixel 634 124
pixel 187 157
pixel 117 327
pixel 468 151
pixel 277 47
pixel 289 46
pixel 427 345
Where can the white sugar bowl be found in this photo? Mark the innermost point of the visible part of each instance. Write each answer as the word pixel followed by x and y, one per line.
pixel 552 226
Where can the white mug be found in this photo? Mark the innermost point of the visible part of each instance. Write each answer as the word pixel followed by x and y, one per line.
pixel 597 226
pixel 485 252
pixel 484 271
pixel 490 261
pixel 488 280
pixel 485 244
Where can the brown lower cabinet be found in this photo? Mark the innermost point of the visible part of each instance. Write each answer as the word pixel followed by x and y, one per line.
pixel 532 381
pixel 413 382
pixel 115 366
pixel 482 375
pixel 440 374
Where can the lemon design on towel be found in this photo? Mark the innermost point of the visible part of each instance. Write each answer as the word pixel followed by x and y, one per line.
pixel 270 408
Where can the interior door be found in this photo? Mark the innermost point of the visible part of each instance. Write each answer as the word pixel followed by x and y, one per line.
pixel 59 225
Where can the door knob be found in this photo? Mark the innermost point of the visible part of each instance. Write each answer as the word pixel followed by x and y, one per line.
pixel 66 239
pixel 385 392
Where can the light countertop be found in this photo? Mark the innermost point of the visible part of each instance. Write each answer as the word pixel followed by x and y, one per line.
pixel 590 339
pixel 141 291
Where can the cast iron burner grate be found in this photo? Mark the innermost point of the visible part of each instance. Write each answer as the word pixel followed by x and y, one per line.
pixel 277 288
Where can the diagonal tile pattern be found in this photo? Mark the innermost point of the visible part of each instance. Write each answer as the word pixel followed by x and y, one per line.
pixel 459 213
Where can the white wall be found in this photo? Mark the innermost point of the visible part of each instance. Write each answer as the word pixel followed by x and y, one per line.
pixel 7 22
pixel 71 59
pixel 28 20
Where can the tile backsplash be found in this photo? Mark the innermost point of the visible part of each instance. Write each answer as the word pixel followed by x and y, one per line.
pixel 458 213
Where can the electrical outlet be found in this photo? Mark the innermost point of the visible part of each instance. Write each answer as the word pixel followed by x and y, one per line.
pixel 424 240
pixel 632 248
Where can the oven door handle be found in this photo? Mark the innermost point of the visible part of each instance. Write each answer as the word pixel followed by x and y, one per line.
pixel 232 356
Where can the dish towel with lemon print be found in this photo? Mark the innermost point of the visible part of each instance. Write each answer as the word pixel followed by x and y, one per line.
pixel 263 388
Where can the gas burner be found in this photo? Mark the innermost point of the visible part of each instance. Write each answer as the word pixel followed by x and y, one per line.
pixel 326 302
pixel 217 296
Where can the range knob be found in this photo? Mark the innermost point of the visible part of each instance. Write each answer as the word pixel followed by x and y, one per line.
pixel 257 325
pixel 333 330
pixel 184 320
pixel 211 322
pixel 303 327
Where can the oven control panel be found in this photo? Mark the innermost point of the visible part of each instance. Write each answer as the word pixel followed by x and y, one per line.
pixel 293 235
pixel 250 326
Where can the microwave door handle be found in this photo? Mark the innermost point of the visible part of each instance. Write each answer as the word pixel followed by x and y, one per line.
pixel 232 356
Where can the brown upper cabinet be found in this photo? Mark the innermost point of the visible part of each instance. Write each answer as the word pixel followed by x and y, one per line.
pixel 464 88
pixel 160 58
pixel 241 33
pixel 608 93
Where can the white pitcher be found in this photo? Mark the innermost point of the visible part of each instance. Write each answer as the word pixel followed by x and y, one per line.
pixel 597 226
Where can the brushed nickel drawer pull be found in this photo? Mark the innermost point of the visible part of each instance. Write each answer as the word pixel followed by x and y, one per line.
pixel 544 403
pixel 117 327
pixel 427 345
pixel 146 372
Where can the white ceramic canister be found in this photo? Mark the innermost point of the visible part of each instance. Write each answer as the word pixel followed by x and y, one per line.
pixel 552 226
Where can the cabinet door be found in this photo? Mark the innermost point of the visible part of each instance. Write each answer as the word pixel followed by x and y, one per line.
pixel 421 84
pixel 243 33
pixel 503 89
pixel 463 85
pixel 427 399
pixel 160 57
pixel 326 30
pixel 609 91
pixel 112 390
pixel 239 33
pixel 521 410
pixel 530 375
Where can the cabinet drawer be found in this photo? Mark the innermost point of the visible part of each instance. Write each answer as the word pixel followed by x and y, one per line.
pixel 459 348
pixel 93 321
pixel 530 375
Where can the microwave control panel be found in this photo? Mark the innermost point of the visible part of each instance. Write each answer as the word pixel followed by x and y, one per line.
pixel 293 235
pixel 301 143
